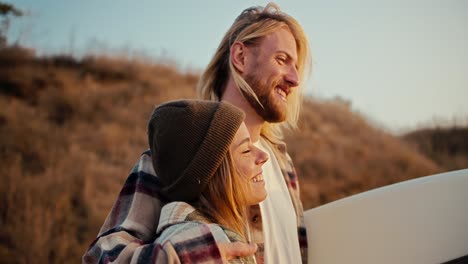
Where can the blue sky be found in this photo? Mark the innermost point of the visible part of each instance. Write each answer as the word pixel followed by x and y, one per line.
pixel 400 63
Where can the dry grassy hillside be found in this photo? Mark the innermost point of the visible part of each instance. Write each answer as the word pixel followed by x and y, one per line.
pixel 447 146
pixel 70 131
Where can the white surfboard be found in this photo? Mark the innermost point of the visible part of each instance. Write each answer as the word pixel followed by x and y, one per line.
pixel 424 220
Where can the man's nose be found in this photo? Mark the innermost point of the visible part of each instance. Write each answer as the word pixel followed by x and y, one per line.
pixel 292 77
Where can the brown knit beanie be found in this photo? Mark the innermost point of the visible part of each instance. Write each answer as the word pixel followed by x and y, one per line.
pixel 188 140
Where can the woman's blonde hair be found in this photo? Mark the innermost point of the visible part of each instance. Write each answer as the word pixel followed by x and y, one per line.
pixel 249 28
pixel 224 199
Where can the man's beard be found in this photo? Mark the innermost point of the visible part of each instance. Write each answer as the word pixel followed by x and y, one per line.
pixel 271 111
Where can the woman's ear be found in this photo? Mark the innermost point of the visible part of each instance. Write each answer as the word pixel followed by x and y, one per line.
pixel 238 52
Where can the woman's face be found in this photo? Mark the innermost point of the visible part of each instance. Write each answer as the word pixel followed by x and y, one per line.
pixel 248 160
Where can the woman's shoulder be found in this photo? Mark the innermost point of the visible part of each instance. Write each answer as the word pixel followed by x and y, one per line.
pixel 177 223
pixel 195 232
pixel 192 240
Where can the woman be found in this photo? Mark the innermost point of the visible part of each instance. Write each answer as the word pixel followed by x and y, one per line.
pixel 210 173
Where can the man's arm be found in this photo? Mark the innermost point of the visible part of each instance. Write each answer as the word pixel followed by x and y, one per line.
pixel 129 230
pixel 133 220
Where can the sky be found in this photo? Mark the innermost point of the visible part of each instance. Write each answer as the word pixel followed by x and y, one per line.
pixel 401 63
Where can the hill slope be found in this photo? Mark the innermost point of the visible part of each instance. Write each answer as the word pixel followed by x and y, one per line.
pixel 447 146
pixel 71 130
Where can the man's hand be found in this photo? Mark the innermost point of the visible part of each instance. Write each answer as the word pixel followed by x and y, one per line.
pixel 237 249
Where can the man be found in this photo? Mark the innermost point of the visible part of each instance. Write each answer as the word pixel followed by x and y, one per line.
pixel 259 67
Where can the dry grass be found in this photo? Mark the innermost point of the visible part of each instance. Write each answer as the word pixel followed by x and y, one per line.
pixel 70 131
pixel 447 146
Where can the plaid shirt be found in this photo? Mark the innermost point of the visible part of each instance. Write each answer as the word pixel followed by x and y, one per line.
pixel 129 232
pixel 184 235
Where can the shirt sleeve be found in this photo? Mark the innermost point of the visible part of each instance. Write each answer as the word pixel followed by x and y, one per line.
pixel 129 230
pixel 193 242
pixel 167 254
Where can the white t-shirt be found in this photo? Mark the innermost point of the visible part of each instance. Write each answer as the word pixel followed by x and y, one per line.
pixel 278 215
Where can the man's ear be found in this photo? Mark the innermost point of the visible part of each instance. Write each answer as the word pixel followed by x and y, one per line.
pixel 238 53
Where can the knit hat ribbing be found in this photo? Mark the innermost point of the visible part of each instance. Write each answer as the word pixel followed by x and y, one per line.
pixel 188 140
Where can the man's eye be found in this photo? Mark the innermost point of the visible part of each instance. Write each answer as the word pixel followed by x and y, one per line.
pixel 281 60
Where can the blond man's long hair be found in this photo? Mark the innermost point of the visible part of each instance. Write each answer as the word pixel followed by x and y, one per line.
pixel 224 199
pixel 249 28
